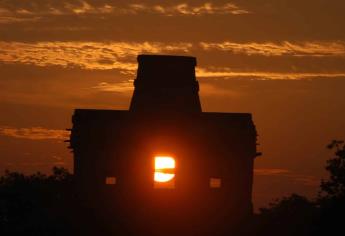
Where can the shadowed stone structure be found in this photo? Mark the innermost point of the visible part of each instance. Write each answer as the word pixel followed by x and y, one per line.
pixel 166 83
pixel 114 155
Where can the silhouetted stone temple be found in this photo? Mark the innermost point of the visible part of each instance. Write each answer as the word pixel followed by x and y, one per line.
pixel 164 167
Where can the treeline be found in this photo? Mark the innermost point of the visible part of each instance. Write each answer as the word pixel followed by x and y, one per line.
pixel 296 215
pixel 36 204
pixel 46 205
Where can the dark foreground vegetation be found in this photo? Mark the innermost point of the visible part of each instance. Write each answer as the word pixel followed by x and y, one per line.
pixel 296 215
pixel 46 205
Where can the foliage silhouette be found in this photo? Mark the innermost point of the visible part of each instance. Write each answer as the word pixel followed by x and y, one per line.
pixel 331 199
pixel 36 204
pixel 335 186
pixel 296 215
pixel 292 215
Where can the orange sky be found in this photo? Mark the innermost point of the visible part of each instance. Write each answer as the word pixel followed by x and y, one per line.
pixel 283 61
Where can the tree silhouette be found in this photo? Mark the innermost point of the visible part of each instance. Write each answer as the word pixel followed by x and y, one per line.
pixel 36 204
pixel 296 215
pixel 292 215
pixel 335 186
pixel 332 193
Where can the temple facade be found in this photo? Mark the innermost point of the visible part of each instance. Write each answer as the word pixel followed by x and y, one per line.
pixel 165 167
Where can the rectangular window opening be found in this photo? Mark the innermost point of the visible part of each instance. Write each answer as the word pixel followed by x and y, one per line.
pixel 110 180
pixel 164 172
pixel 215 182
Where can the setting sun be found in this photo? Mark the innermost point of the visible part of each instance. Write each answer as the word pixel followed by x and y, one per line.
pixel 164 169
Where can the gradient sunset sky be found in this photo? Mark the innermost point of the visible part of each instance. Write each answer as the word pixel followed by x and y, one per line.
pixel 281 60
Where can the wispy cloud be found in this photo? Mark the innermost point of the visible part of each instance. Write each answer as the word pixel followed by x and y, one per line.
pixel 26 11
pixel 87 55
pixel 272 171
pixel 307 180
pixel 316 49
pixel 210 89
pixel 206 8
pixel 226 72
pixel 121 56
pixel 34 133
pixel 186 9
pixel 121 87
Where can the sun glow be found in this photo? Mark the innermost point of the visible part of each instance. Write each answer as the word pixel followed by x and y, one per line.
pixel 164 169
pixel 162 177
